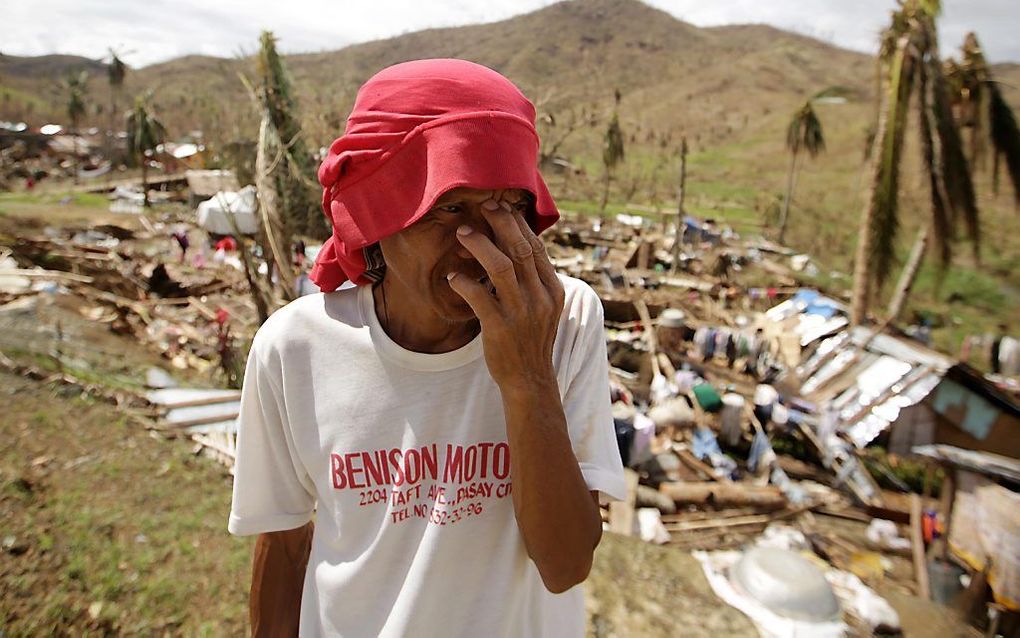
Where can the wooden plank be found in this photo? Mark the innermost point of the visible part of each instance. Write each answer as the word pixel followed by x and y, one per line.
pixel 759 519
pixel 621 513
pixel 702 515
pixel 691 461
pixel 213 400
pixel 205 420
pixel 44 274
pixel 848 514
pixel 948 498
pixel 917 540
pixel 766 497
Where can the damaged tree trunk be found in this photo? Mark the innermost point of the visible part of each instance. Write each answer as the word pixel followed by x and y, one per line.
pixel 681 192
pixel 276 229
pixel 791 177
pixel 909 274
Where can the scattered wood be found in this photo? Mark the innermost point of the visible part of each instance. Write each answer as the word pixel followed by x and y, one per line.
pixel 44 274
pixel 226 397
pixel 691 461
pixel 846 513
pixel 703 515
pixel 736 521
pixel 205 420
pixel 650 497
pixel 724 494
pixel 800 470
pixel 621 513
pixel 917 540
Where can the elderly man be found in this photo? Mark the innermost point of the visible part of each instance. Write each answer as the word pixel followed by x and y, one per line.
pixel 445 421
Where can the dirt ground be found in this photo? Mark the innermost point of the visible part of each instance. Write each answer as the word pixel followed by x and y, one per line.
pixel 107 530
pixel 640 589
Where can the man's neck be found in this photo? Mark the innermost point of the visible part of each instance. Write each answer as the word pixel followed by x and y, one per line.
pixel 417 329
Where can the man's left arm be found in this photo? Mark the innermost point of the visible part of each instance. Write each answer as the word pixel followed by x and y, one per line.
pixel 557 514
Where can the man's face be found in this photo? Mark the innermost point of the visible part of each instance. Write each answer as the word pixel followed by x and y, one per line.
pixel 419 258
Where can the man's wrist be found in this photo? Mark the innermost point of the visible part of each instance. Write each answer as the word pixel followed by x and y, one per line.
pixel 536 392
pixel 540 388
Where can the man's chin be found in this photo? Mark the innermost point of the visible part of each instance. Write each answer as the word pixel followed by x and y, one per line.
pixel 457 311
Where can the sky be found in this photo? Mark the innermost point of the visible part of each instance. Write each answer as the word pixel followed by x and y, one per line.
pixel 156 30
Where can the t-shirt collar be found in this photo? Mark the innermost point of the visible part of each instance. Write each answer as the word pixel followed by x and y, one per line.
pixel 411 360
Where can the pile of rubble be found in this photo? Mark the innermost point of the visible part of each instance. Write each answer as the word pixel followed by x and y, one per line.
pixel 746 411
pixel 744 402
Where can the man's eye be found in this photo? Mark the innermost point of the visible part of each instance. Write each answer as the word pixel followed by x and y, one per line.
pixel 521 206
pixel 448 208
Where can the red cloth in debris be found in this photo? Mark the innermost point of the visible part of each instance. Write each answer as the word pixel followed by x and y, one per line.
pixel 227 244
pixel 417 130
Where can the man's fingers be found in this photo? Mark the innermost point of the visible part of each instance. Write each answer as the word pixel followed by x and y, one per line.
pixel 475 294
pixel 546 271
pixel 512 241
pixel 497 265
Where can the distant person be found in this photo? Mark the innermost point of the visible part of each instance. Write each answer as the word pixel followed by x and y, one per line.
pixel 299 253
pixel 181 237
pixel 996 360
pixel 389 411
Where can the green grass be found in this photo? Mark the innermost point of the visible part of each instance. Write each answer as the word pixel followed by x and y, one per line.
pixel 8 94
pixel 86 200
pixel 591 208
pixel 113 522
pixel 85 372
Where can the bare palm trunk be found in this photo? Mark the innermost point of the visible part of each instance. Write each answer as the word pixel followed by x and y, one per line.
pixel 681 194
pixel 891 114
pixel 258 297
pixel 790 181
pixel 605 194
pixel 862 265
pixel 145 182
pixel 74 149
pixel 274 226
pixel 909 275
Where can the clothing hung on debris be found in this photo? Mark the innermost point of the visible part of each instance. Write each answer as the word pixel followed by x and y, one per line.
pixel 403 459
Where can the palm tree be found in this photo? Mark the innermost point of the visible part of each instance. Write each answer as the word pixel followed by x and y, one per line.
pixel 116 71
pixel 980 107
pixel 144 133
pixel 909 63
pixel 804 131
pixel 293 174
pixel 612 150
pixel 977 105
pixel 77 92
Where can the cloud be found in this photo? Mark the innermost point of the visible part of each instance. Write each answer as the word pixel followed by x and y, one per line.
pixel 158 30
pixel 856 25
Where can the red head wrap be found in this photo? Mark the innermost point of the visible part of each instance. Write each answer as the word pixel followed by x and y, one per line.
pixel 419 129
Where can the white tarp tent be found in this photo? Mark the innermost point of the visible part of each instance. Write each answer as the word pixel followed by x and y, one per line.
pixel 214 213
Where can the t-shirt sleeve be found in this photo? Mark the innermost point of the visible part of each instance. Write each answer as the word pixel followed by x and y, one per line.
pixel 586 403
pixel 272 492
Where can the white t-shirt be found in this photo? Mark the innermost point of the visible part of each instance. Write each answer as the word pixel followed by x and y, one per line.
pixel 403 458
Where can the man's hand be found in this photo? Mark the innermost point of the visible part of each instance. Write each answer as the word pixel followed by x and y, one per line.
pixel 557 515
pixel 519 321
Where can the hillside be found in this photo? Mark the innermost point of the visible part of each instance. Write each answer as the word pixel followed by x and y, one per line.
pixel 730 90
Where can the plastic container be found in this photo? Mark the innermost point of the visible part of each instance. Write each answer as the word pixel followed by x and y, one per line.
pixel 944 580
